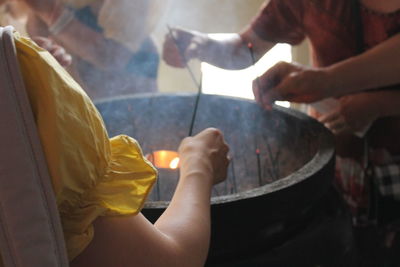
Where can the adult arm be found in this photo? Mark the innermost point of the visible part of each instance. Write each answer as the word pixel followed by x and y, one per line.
pixel 377 67
pixel 227 51
pixel 79 39
pixel 356 112
pixel 180 237
pixel 276 22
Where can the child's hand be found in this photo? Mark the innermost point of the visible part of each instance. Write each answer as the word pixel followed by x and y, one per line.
pixel 206 152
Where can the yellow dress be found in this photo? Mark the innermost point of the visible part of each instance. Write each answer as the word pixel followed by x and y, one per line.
pixel 92 175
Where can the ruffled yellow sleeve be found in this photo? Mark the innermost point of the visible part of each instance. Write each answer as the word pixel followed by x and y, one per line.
pixel 92 175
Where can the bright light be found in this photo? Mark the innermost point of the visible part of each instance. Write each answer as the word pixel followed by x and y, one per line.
pixel 284 104
pixel 174 163
pixel 164 159
pixel 238 83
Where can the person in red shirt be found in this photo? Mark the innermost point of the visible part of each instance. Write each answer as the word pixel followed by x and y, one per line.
pixel 356 61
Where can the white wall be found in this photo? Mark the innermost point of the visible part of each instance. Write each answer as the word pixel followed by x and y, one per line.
pixel 211 16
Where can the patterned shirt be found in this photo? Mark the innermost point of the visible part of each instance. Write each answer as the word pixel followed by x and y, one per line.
pixel 331 27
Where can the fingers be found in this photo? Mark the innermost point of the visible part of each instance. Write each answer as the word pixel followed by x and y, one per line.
pixel 221 173
pixel 274 84
pixel 57 51
pixel 61 55
pixel 191 51
pixel 289 82
pixel 218 151
pixel 43 42
pixel 335 122
pixel 171 53
pixel 178 47
pixel 332 116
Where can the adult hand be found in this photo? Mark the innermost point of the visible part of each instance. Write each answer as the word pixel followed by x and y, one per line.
pixel 182 45
pixel 57 51
pixel 205 152
pixel 291 82
pixel 354 114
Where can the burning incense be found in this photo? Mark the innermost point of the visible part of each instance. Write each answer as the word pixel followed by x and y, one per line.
pixel 157 181
pixel 250 47
pixel 198 84
pixel 259 167
pixel 183 57
pixel 272 160
pixel 158 189
pixel 253 61
pixel 233 176
pixel 196 105
pixel 273 163
pixel 277 168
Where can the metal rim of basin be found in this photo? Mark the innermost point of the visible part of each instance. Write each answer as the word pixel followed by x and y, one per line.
pixel 324 155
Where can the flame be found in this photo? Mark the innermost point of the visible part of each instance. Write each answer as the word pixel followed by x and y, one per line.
pixel 174 163
pixel 164 159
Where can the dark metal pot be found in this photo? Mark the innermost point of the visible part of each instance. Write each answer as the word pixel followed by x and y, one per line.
pixel 250 212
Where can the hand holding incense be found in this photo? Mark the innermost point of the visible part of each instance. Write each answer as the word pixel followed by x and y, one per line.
pixel 257 80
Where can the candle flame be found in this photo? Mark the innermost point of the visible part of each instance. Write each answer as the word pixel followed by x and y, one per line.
pixel 164 159
pixel 174 163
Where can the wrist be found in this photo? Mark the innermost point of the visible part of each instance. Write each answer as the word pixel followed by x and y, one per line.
pixel 333 80
pixel 202 44
pixel 198 166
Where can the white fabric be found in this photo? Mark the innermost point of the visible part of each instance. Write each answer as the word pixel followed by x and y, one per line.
pixel 30 229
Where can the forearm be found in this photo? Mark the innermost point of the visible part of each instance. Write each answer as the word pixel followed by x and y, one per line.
pixel 225 51
pixel 187 219
pixel 231 51
pixel 89 45
pixel 377 67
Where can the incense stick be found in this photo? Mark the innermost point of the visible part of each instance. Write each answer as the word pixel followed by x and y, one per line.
pixel 196 105
pixel 274 173
pixel 183 57
pixel 233 176
pixel 198 84
pixel 253 61
pixel 158 179
pixel 259 167
pixel 277 167
pixel 272 160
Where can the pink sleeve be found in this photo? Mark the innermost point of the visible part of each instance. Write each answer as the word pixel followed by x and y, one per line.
pixel 280 21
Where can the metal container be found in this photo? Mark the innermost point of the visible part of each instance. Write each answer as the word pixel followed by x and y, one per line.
pixel 267 194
